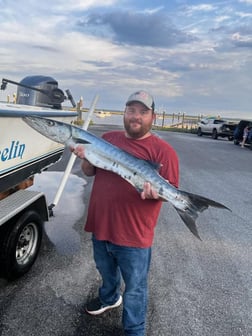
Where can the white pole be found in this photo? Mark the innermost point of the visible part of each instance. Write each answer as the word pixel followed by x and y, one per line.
pixel 71 160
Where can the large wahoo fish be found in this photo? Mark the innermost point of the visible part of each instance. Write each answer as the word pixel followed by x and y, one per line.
pixel 104 155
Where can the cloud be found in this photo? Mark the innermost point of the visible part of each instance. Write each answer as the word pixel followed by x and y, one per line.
pixel 196 9
pixel 187 56
pixel 202 8
pixel 143 29
pixel 249 2
pixel 241 42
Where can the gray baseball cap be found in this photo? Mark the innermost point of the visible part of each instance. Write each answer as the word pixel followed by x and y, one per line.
pixel 142 97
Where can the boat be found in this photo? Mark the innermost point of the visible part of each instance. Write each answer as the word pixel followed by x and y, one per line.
pixel 23 151
pixel 103 114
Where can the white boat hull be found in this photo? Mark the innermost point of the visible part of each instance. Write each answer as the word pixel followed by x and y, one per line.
pixel 23 151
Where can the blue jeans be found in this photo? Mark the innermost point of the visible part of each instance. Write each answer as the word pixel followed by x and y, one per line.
pixel 132 264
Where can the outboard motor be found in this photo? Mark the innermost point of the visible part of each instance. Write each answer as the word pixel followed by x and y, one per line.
pixel 40 91
pixel 48 95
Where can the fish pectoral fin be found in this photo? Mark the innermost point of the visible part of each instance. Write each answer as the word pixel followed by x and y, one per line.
pixel 189 220
pixel 154 165
pixel 80 141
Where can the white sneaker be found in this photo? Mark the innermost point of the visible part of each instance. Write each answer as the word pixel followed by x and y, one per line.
pixel 95 307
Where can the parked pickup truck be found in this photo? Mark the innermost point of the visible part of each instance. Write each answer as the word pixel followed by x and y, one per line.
pixel 216 128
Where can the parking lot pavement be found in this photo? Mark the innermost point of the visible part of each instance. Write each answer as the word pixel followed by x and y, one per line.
pixel 199 288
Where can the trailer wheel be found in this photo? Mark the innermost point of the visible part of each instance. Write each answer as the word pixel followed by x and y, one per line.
pixel 21 245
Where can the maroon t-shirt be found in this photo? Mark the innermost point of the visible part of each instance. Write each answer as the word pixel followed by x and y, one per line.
pixel 116 211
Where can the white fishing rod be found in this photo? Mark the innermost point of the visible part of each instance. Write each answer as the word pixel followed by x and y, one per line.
pixel 71 160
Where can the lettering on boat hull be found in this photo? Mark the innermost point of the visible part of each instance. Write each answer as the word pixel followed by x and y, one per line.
pixel 13 151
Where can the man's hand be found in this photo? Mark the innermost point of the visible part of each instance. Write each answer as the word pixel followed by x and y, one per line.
pixel 87 167
pixel 149 192
pixel 79 151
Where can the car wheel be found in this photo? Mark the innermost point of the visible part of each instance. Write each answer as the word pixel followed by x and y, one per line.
pixel 21 245
pixel 230 138
pixel 214 134
pixel 199 132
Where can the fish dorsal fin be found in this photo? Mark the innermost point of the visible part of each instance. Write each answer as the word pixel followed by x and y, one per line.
pixel 81 141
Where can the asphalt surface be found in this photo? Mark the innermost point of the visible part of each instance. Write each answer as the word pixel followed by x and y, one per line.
pixel 199 288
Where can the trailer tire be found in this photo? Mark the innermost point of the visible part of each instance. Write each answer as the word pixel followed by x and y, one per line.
pixel 21 245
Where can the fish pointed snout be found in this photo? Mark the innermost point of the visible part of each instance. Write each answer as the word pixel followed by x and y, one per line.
pixel 52 129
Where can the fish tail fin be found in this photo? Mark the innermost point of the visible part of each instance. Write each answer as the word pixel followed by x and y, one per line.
pixel 196 205
pixel 189 220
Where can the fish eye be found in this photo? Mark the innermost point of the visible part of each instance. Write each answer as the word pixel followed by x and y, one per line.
pixel 50 123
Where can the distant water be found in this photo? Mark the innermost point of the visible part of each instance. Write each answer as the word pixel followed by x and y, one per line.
pixel 236 116
pixel 113 119
pixel 166 120
pixel 117 119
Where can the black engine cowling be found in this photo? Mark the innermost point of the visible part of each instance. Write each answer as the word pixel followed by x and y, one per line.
pixel 40 91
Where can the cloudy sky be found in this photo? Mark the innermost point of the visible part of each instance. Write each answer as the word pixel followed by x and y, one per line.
pixel 193 56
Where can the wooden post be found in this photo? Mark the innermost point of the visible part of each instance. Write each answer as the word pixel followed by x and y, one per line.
pixel 163 118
